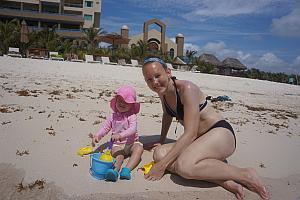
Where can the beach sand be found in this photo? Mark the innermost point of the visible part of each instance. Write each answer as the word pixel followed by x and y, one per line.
pixel 48 109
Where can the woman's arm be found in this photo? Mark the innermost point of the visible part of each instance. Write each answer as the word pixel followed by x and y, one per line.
pixel 165 126
pixel 166 123
pixel 190 99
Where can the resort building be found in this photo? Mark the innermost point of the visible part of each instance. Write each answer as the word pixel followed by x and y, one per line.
pixel 69 16
pixel 157 40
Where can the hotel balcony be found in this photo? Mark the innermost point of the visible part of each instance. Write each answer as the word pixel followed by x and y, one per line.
pixel 5 12
pixel 63 32
pixel 69 33
pixel 74 5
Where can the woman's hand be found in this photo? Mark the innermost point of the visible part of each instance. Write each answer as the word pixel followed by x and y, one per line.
pixel 156 172
pixel 151 146
pixel 116 137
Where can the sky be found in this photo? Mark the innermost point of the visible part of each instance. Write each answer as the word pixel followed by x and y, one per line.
pixel 262 34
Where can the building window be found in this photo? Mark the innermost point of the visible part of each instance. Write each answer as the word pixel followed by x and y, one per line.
pixel 88 4
pixel 88 17
pixel 172 53
pixel 153 46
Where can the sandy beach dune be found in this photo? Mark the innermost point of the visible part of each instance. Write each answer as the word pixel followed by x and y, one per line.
pixel 48 109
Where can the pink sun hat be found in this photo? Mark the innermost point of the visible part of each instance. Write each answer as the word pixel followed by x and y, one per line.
pixel 129 95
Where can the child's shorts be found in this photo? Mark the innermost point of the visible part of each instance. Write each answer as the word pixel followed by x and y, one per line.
pixel 127 147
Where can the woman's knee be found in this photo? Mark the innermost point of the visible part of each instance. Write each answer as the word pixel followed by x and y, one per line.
pixel 159 153
pixel 183 167
pixel 188 167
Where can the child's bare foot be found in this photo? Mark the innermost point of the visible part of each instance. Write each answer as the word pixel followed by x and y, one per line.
pixel 254 183
pixel 234 188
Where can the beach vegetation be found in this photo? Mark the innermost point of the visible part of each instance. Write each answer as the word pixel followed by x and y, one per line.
pixel 46 38
pixel 39 183
pixel 9 35
pixel 21 153
pixel 139 51
pixel 90 37
pixel 253 73
pixel 206 67
pixel 190 55
pixel 279 77
pixel 68 48
pixel 168 58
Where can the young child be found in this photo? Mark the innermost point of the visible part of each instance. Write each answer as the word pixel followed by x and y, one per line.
pixel 123 124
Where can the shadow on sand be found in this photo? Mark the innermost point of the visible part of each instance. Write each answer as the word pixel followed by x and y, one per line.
pixel 143 139
pixel 153 138
pixel 191 183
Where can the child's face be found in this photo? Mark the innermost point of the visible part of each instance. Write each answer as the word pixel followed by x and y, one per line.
pixel 121 105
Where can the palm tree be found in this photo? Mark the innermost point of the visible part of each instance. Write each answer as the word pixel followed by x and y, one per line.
pixel 205 67
pixel 168 59
pixel 140 50
pixel 190 55
pixel 122 53
pixel 90 36
pixel 253 73
pixel 64 46
pixel 9 34
pixel 46 38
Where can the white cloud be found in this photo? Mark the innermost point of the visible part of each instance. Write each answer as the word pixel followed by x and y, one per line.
pixel 214 47
pixel 270 62
pixel 296 62
pixel 191 47
pixel 288 25
pixel 295 66
pixel 216 8
pixel 266 62
pixel 220 51
pixel 202 9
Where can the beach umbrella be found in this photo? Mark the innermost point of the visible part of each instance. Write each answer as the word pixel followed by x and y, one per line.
pixel 210 59
pixel 24 33
pixel 178 61
pixel 113 38
pixel 233 63
pixel 180 64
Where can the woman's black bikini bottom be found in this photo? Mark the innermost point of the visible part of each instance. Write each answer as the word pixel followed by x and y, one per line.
pixel 224 124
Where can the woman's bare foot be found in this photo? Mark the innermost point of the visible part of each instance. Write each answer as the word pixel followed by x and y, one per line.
pixel 233 187
pixel 254 183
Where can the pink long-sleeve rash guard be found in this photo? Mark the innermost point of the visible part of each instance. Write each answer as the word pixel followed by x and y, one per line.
pixel 124 124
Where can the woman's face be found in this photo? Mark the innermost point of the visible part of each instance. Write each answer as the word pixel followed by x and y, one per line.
pixel 156 77
pixel 121 105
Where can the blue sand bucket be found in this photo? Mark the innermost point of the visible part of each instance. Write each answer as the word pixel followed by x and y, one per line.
pixel 98 168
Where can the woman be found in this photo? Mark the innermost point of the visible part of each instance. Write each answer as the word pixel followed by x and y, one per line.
pixel 207 139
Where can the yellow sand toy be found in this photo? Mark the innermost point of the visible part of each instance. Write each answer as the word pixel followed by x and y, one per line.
pixel 146 168
pixel 85 150
pixel 106 156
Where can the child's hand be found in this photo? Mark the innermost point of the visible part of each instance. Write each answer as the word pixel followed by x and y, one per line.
pixel 95 139
pixel 116 137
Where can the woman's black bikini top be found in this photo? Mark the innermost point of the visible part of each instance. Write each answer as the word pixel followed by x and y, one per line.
pixel 179 114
